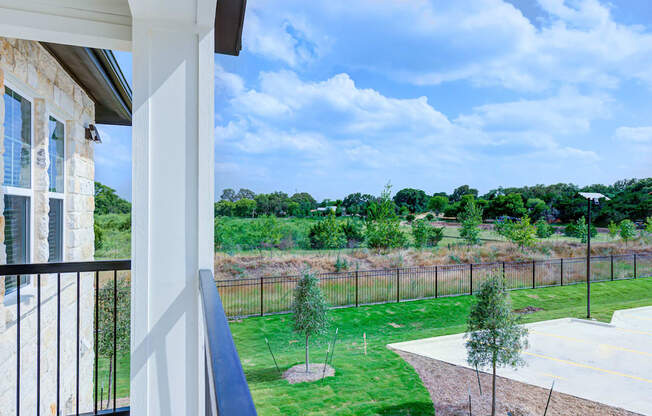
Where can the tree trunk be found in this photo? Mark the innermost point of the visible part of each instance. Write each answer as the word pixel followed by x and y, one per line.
pixel 307 368
pixel 493 391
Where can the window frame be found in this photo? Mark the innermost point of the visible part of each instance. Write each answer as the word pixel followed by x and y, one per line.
pixel 54 115
pixel 60 195
pixel 26 192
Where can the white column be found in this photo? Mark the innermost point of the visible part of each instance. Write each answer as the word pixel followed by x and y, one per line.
pixel 172 221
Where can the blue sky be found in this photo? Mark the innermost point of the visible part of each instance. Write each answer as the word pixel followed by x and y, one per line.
pixel 337 97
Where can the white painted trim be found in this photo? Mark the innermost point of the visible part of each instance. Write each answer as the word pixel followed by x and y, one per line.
pixel 59 195
pixel 38 21
pixel 27 192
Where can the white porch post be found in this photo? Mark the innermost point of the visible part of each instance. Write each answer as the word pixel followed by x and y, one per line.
pixel 172 223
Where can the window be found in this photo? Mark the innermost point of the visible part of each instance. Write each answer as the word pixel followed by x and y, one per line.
pixel 55 171
pixel 17 232
pixel 18 138
pixel 55 230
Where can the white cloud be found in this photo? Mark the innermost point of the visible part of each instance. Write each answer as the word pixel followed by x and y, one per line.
pixel 634 134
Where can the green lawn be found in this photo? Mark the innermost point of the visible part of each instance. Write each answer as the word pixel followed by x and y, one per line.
pixel 381 382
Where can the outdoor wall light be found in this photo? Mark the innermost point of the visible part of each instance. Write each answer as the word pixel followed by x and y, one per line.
pixel 92 134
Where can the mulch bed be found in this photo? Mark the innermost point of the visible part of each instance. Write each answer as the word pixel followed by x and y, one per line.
pixel 297 373
pixel 449 386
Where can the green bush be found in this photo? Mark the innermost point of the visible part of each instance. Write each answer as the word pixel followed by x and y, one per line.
pixel 410 217
pixel 327 234
pixel 523 233
pixel 613 229
pixel 430 217
pixel 544 230
pixel 99 236
pixel 425 235
pixel 353 232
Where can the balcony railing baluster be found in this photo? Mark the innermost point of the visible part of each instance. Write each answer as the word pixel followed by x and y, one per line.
pixel 63 310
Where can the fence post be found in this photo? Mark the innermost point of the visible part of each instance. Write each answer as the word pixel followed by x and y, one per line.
pixel 471 288
pixel 356 289
pixel 561 272
pixel 534 284
pixel 436 288
pixel 261 296
pixel 612 267
pixel 398 286
pixel 504 270
pixel 634 265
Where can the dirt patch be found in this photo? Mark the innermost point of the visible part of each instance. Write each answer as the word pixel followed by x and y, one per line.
pixel 449 387
pixel 297 373
pixel 527 310
pixel 393 325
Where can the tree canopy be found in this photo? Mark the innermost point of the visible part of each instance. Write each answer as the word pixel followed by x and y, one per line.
pixel 107 201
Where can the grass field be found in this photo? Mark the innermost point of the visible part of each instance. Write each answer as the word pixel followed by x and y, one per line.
pixel 381 382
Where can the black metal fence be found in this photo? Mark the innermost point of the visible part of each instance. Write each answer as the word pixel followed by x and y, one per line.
pixel 260 296
pixel 47 319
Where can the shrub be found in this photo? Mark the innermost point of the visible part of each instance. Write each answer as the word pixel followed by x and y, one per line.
pixel 503 226
pixel 425 235
pixel 409 217
pixel 544 230
pixel 353 232
pixel 99 236
pixel 327 234
pixel 341 264
pixel 613 229
pixel 523 233
pixel 430 217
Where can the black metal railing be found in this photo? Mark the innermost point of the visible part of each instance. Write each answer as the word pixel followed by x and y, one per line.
pixel 227 391
pixel 263 295
pixel 73 276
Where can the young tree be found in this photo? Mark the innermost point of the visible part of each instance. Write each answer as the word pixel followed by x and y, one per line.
pixel 425 235
pixel 382 226
pixel 613 229
pixel 106 318
pixel 523 233
pixel 309 309
pixel 544 230
pixel 627 230
pixel 470 218
pixel 648 225
pixel 493 335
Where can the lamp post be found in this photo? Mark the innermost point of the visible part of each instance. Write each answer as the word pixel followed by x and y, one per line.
pixel 595 197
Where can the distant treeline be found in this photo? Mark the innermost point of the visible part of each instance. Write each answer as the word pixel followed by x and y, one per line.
pixel 630 198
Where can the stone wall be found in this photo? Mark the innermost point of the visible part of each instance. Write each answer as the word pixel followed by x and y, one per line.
pixel 27 66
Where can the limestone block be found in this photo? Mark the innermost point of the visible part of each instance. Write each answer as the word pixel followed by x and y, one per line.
pixel 32 76
pixel 64 82
pixel 6 54
pixel 48 66
pixel 20 66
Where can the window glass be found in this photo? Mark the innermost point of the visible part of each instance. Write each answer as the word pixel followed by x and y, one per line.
pixel 55 171
pixel 55 230
pixel 16 236
pixel 17 140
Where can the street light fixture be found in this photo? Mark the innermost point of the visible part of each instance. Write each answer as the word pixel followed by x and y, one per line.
pixel 595 197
